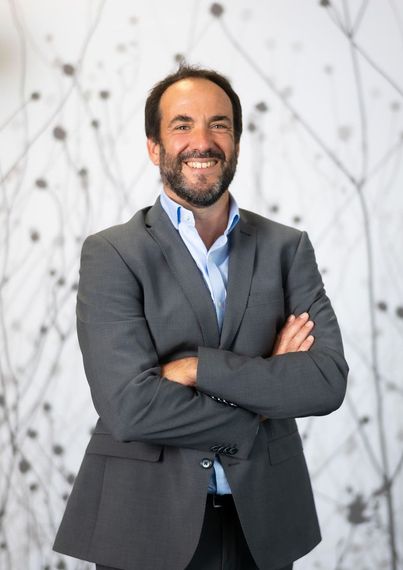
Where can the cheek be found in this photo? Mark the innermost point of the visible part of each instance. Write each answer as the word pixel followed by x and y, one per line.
pixel 176 144
pixel 227 146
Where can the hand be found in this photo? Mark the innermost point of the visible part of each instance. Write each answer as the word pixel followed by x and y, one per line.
pixel 183 371
pixel 294 336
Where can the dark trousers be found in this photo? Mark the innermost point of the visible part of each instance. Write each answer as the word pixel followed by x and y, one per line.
pixel 222 544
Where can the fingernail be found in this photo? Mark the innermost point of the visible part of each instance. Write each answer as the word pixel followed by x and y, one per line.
pixel 291 318
pixel 303 316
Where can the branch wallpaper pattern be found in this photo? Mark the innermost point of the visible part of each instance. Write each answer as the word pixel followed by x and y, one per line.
pixel 322 89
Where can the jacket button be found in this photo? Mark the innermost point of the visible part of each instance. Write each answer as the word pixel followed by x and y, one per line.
pixel 206 463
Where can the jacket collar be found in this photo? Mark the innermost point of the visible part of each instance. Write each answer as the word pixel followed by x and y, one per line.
pixel 242 243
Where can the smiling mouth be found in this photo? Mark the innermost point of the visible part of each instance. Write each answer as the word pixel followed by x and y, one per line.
pixel 201 165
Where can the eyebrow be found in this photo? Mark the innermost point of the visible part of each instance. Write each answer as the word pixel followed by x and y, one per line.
pixel 181 119
pixel 220 118
pixel 187 119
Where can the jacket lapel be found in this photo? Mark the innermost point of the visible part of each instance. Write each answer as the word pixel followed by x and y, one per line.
pixel 185 270
pixel 240 272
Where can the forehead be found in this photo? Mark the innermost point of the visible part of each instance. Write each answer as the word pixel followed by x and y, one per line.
pixel 193 95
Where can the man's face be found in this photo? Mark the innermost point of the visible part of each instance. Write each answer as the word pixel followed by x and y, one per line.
pixel 197 155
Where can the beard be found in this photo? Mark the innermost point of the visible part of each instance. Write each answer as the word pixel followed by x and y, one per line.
pixel 200 193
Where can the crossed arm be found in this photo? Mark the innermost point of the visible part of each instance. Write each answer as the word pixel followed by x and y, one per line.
pixel 295 336
pixel 139 400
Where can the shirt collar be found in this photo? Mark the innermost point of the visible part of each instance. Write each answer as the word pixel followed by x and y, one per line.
pixel 178 214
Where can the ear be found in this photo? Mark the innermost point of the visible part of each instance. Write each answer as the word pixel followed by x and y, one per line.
pixel 153 151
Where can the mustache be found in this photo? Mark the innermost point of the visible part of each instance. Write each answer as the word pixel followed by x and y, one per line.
pixel 205 154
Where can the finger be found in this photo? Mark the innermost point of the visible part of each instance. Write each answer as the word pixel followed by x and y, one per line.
pixel 306 345
pixel 301 335
pixel 288 343
pixel 291 328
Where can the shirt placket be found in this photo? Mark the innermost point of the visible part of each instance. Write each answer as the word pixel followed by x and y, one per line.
pixel 217 284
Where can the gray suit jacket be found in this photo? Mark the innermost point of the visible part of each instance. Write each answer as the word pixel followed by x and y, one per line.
pixel 139 497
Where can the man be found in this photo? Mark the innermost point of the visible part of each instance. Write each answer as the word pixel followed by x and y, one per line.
pixel 195 321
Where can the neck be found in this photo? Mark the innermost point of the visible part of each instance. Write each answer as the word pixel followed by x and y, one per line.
pixel 211 221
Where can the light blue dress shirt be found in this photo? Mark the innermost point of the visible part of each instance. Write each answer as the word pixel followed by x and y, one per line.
pixel 213 265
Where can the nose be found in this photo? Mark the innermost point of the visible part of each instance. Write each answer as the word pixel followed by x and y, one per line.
pixel 202 139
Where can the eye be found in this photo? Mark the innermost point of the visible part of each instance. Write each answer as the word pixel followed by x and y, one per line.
pixel 219 126
pixel 182 127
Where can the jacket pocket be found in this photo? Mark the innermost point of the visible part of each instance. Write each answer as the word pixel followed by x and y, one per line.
pixel 285 447
pixel 104 444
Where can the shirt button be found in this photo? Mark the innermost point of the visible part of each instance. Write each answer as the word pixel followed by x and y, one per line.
pixel 206 463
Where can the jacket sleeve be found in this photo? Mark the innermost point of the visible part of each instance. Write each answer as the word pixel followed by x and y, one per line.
pixel 132 399
pixel 291 385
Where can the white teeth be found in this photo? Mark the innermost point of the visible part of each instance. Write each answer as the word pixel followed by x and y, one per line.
pixel 201 164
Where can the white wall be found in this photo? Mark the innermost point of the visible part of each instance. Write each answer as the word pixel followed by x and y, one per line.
pixel 322 150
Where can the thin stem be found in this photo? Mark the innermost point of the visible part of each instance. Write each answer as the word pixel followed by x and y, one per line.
pixel 295 115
